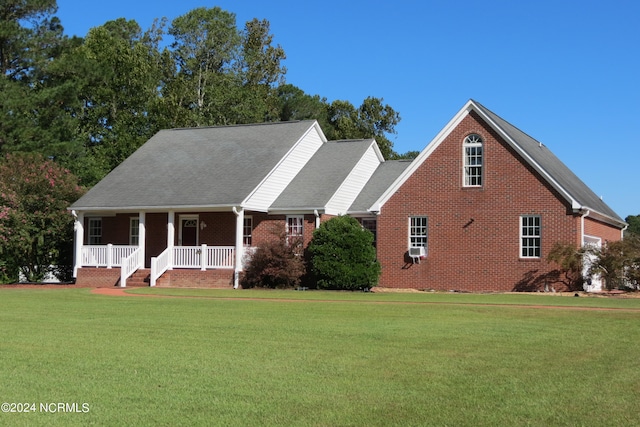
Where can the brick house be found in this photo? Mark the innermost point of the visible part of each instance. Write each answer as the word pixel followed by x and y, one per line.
pixel 477 210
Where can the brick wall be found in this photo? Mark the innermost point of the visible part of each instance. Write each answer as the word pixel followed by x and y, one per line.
pixel 98 277
pixel 197 279
pixel 473 242
pixel 596 228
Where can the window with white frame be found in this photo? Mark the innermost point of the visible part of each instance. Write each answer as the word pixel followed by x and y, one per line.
pixel 295 228
pixel 473 161
pixel 418 232
pixel 530 237
pixel 95 231
pixel 247 228
pixel 134 231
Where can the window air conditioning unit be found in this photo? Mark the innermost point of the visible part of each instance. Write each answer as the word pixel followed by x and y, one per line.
pixel 417 254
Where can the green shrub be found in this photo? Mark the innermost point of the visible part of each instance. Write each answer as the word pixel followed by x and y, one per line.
pixel 343 256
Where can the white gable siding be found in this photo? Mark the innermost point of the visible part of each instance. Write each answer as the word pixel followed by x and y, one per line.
pixel 354 183
pixel 275 183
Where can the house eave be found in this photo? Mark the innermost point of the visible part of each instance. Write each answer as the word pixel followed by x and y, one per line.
pixel 182 208
pixel 296 211
pixel 599 216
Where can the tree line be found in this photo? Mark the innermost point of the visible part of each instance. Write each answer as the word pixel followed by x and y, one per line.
pixel 89 102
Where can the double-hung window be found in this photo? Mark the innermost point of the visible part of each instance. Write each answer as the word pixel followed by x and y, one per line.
pixel 95 231
pixel 134 231
pixel 295 229
pixel 418 232
pixel 530 236
pixel 247 228
pixel 473 160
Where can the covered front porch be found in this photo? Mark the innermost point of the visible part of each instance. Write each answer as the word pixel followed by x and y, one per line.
pixel 111 247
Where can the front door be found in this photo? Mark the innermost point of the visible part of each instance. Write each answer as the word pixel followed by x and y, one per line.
pixel 189 231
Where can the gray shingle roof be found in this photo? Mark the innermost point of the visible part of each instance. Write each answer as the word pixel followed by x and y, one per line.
pixel 380 181
pixel 318 181
pixel 545 159
pixel 209 166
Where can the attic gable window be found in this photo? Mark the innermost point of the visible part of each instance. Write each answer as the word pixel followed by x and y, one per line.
pixel 473 160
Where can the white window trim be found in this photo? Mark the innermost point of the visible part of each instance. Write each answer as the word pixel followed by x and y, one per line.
pixel 472 140
pixel 301 222
pixel 410 244
pixel 533 236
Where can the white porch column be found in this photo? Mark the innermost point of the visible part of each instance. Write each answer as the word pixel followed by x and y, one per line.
pixel 142 236
pixel 239 246
pixel 171 235
pixel 78 227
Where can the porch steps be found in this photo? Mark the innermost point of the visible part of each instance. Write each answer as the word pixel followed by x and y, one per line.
pixel 139 279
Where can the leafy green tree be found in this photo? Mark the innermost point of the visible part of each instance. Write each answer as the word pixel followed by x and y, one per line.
pixel 294 104
pixel 31 117
pixel 371 120
pixel 618 262
pixel 206 44
pixel 343 256
pixel 260 70
pixel 25 35
pixel 119 88
pixel 36 230
pixel 634 225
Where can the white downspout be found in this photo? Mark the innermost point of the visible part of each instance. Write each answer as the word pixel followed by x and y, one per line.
pixel 582 227
pixel 78 228
pixel 315 212
pixel 239 246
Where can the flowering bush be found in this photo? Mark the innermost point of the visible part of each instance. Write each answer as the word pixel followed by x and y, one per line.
pixel 36 230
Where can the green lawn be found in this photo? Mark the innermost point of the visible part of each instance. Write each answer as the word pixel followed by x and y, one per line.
pixel 327 359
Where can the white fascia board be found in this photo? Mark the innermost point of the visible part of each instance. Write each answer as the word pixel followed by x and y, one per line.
pixel 420 159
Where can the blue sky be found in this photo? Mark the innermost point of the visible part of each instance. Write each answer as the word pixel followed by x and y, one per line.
pixel 564 71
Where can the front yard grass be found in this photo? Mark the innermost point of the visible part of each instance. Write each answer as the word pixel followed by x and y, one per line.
pixel 331 358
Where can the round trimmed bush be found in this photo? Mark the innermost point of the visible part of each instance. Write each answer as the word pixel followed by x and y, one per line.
pixel 343 256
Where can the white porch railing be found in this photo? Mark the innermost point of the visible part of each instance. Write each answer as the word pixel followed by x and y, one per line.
pixel 159 265
pixel 129 266
pixel 203 257
pixel 105 255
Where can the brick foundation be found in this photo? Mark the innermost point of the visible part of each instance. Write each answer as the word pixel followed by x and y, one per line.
pixel 197 279
pixel 98 277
